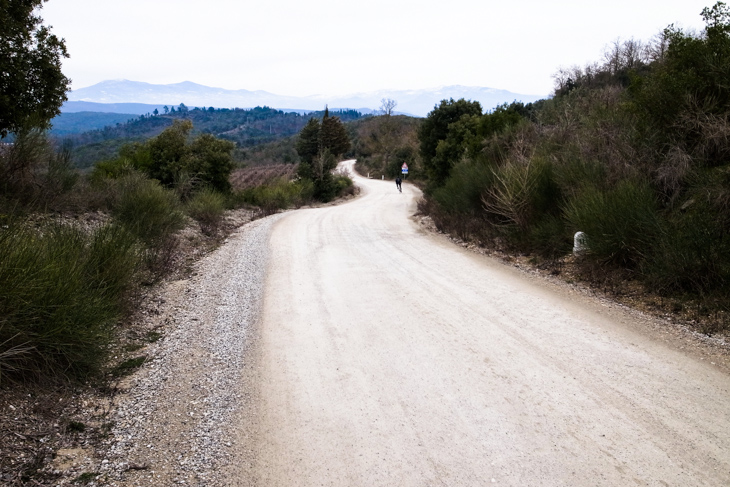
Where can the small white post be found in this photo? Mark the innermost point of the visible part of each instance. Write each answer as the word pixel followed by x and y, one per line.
pixel 580 243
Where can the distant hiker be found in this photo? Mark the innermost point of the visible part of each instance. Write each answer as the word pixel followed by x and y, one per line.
pixel 398 182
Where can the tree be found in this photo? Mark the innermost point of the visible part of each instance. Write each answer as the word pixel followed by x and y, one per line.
pixel 210 160
pixel 387 106
pixel 156 112
pixel 307 145
pixel 32 86
pixel 333 135
pixel 166 109
pixel 169 157
pixel 436 128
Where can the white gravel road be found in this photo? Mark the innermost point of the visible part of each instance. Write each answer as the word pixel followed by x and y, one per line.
pixel 383 355
pixel 392 357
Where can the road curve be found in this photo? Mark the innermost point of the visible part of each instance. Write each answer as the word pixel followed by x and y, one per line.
pixel 387 356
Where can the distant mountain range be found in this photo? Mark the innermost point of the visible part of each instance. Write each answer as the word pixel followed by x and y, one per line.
pixel 123 96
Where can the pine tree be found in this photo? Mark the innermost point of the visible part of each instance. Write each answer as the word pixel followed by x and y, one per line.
pixel 333 135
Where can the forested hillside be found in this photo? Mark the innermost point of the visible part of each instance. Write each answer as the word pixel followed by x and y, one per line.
pixel 247 128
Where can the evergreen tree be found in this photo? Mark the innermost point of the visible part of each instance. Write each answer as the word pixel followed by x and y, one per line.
pixel 307 145
pixel 333 135
pixel 436 128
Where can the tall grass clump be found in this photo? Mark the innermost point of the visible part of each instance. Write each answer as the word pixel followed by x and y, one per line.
pixel 276 195
pixel 207 208
pixel 691 254
pixel 145 208
pixel 620 224
pixel 63 289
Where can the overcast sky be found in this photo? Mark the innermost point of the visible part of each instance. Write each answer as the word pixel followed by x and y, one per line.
pixel 336 47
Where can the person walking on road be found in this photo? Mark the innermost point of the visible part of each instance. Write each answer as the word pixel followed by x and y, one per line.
pixel 398 182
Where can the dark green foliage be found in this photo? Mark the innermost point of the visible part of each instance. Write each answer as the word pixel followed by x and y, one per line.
pixel 32 86
pixel 333 136
pixel 317 164
pixel 209 160
pixel 435 129
pixel 151 212
pixel 170 159
pixel 620 224
pixel 691 254
pixel 307 144
pixel 63 290
pixel 207 207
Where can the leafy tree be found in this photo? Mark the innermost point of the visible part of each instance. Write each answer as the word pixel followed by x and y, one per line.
pixel 167 150
pixel 169 157
pixel 436 128
pixel 210 159
pixel 32 86
pixel 156 112
pixel 166 109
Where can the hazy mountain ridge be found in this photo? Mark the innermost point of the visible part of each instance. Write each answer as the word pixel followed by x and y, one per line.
pixel 413 102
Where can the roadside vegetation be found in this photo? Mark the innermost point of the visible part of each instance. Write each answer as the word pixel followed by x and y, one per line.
pixel 384 143
pixel 632 151
pixel 67 281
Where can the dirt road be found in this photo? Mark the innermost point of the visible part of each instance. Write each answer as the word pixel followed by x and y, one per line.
pixel 388 356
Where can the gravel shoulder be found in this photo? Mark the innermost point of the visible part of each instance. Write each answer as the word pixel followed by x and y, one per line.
pixel 172 423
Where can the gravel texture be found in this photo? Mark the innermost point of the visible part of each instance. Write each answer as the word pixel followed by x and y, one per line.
pixel 171 421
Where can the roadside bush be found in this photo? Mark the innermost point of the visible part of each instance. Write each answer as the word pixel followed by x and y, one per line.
pixel 692 254
pixel 149 211
pixel 620 224
pixel 63 289
pixel 522 192
pixel 207 208
pixel 277 195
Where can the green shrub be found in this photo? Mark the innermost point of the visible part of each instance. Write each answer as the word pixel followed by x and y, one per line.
pixel 692 254
pixel 148 210
pixel 276 195
pixel 63 289
pixel 207 208
pixel 463 191
pixel 620 224
pixel 549 237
